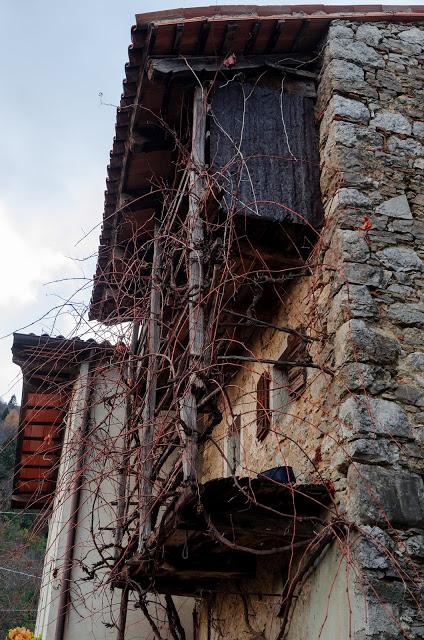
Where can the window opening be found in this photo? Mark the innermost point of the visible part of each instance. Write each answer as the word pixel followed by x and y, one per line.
pixel 263 408
pixel 233 445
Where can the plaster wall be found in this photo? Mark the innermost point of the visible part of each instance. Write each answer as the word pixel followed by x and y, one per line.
pixel 94 607
pixel 328 607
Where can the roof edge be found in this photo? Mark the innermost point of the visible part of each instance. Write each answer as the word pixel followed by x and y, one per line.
pixel 221 12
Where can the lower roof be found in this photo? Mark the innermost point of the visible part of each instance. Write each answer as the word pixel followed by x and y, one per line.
pixel 49 367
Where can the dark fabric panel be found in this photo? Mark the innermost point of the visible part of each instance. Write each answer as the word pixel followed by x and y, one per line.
pixel 267 165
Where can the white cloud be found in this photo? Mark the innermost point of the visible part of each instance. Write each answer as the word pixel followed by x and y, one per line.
pixel 25 263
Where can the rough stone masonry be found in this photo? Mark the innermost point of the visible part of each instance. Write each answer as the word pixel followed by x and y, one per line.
pixel 371 113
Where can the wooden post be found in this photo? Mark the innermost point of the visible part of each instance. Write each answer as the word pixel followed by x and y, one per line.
pixel 126 454
pixel 148 414
pixel 123 610
pixel 197 197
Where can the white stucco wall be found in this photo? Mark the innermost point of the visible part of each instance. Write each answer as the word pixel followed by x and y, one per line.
pixel 94 607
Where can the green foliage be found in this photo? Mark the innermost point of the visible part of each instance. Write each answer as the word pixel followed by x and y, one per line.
pixel 22 543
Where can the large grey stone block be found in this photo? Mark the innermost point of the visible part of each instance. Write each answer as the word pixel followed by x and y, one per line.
pixel 407 315
pixel 350 134
pixel 400 259
pixel 352 301
pixel 369 34
pixel 367 415
pixel 360 376
pixel 391 122
pixel 348 109
pixel 365 274
pixel 358 52
pixel 346 246
pixel 413 35
pixel 407 147
pixel 409 395
pixel 356 342
pixel 397 207
pixel 378 451
pixel 354 247
pixel 415 361
pixel 415 546
pixel 345 72
pixel 374 549
pixel 383 497
pixel 349 197
pixel 418 130
pixel 340 31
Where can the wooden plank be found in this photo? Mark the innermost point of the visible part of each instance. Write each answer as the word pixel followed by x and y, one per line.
pixel 148 415
pixel 36 473
pixel 197 197
pixel 208 67
pixel 41 431
pixel 35 487
pixel 45 416
pixel 146 144
pixel 36 460
pixel 44 400
pixel 270 167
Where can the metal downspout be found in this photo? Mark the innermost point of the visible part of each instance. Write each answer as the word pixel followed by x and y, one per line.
pixel 74 508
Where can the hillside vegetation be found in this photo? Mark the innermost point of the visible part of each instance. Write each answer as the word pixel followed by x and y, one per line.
pixel 22 537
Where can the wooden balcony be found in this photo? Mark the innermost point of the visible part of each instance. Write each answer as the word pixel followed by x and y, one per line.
pixel 217 532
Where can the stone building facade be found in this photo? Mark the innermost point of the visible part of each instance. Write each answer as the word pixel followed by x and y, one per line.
pixel 343 407
pixel 364 425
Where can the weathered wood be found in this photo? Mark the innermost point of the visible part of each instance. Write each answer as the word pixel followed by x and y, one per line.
pixel 276 363
pixel 264 150
pixel 145 144
pixel 215 531
pixel 126 454
pixel 197 196
pixel 123 609
pixel 44 416
pixel 148 414
pixel 269 255
pixel 44 400
pixel 208 67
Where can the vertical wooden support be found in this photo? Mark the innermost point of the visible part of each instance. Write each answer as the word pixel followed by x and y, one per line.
pixel 123 610
pixel 197 197
pixel 126 454
pixel 148 415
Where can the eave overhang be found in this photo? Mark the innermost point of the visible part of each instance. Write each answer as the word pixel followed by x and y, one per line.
pixel 209 32
pixel 49 367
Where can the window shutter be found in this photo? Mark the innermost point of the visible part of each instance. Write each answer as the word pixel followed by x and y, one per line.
pixel 233 449
pixel 263 411
pixel 296 376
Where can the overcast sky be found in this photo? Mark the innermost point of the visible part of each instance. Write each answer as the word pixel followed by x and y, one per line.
pixel 55 59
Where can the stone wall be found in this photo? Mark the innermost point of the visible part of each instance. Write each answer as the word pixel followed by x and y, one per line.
pixel 371 107
pixel 361 428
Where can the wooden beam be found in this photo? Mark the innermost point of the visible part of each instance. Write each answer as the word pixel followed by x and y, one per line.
pixel 126 452
pixel 160 68
pixel 300 36
pixel 252 37
pixel 145 144
pixel 230 32
pixel 197 197
pixel 203 36
pixel 148 414
pixel 179 28
pixel 277 29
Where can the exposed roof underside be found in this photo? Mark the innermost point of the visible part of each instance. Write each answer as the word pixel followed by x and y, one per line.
pixel 49 367
pixel 208 32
